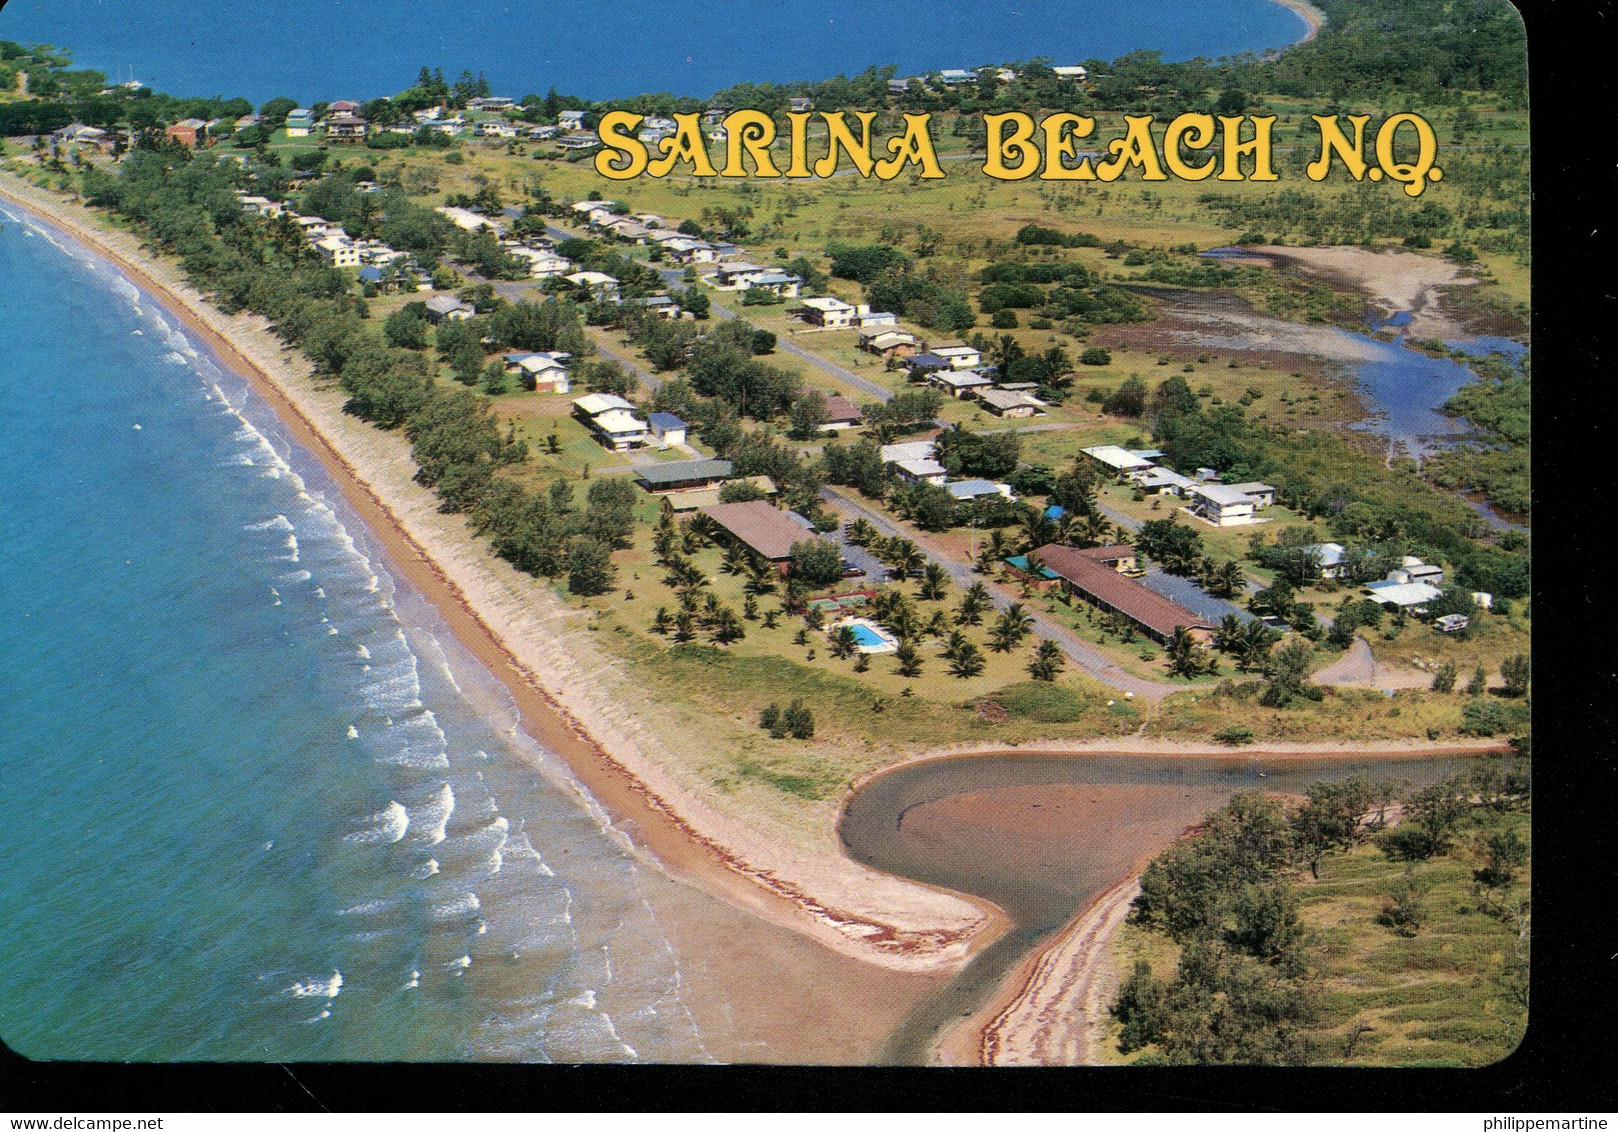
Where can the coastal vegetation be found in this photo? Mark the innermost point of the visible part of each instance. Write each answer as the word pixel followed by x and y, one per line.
pixel 1363 924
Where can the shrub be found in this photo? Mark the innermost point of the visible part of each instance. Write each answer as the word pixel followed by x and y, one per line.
pixel 1404 911
pixel 1096 356
pixel 1234 736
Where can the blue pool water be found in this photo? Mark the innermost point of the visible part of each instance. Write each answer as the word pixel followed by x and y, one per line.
pixel 868 637
pixel 329 49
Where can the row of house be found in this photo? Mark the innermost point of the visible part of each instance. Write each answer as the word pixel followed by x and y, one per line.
pixel 377 263
pixel 1224 505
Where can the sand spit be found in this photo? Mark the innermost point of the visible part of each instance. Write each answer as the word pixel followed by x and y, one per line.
pixel 576 701
pixel 1063 993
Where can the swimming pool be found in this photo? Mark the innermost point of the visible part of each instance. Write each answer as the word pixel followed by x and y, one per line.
pixel 868 636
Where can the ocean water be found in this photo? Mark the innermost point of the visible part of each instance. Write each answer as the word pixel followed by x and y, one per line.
pixel 329 49
pixel 258 804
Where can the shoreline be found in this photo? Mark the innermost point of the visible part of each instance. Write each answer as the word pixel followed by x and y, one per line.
pixel 858 912
pixel 1311 15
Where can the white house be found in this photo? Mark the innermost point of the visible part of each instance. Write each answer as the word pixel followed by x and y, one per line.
pixel 570 120
pixel 1223 506
pixel 338 251
pixel 547 371
pixel 828 312
pixel 958 383
pixel 668 429
pixel 1413 596
pixel 959 357
pixel 600 283
pixel 613 420
pixel 1118 459
pixel 441 307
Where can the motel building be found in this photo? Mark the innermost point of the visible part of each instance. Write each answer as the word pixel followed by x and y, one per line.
pixel 1098 576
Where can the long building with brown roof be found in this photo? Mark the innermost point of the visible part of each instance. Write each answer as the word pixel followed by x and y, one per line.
pixel 1092 575
pixel 763 528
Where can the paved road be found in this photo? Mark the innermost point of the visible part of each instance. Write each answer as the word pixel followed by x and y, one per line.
pixel 1092 662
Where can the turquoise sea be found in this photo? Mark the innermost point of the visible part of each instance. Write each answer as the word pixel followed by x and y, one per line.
pixel 258 805
pixel 329 49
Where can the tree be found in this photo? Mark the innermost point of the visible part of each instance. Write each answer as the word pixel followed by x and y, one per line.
pixel 807 414
pixel 934 582
pixel 589 568
pixel 1267 925
pixel 1289 675
pixel 844 643
pixel 1479 682
pixel 968 662
pixel 903 556
pixel 974 602
pixel 1404 910
pixel 909 660
pixel 1177 548
pixel 725 626
pixel 1014 624
pixel 1444 678
pixel 1186 656
pixel 816 562
pixel 1515 671
pixel 1048 661
pixel 798 721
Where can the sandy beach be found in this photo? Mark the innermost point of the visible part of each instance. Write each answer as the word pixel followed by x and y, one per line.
pixel 1313 16
pixel 575 701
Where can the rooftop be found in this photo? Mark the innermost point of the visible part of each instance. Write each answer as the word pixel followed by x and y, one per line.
pixel 682 471
pixel 1134 600
pixel 1115 457
pixel 766 529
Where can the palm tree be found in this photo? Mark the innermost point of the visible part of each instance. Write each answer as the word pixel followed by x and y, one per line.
pixel 1064 530
pixel 661 621
pixel 973 603
pixel 1037 530
pixel 684 626
pixel 862 531
pixel 727 627
pixel 934 581
pixel 735 559
pixel 1048 661
pixel 1005 350
pixel 1095 530
pixel 999 543
pixel 909 660
pixel 968 662
pixel 663 543
pixel 1018 619
pixel 902 621
pixel 1227 579
pixel 761 576
pixel 952 646
pixel 844 642
pixel 750 607
pixel 937 625
pixel 904 556
pixel 1185 655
